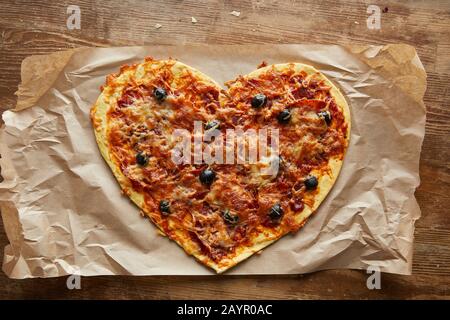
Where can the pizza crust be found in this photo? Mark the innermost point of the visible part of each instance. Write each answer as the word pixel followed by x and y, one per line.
pixel 111 92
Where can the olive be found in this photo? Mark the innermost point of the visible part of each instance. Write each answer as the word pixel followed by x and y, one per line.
pixel 311 182
pixel 325 115
pixel 141 159
pixel 214 124
pixel 229 217
pixel 207 176
pixel 276 212
pixel 284 116
pixel 280 159
pixel 160 94
pixel 259 100
pixel 164 207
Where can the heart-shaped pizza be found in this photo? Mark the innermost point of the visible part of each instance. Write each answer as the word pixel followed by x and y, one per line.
pixel 224 173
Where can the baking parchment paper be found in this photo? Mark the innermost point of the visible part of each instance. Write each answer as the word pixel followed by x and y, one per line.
pixel 64 213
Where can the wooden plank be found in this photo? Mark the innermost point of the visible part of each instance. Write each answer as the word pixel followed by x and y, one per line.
pixel 39 27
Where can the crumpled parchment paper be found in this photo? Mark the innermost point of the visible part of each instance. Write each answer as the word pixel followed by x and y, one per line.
pixel 63 211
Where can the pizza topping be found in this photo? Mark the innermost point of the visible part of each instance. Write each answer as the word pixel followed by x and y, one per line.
pixel 284 116
pixel 297 205
pixel 164 207
pixel 214 124
pixel 276 212
pixel 207 176
pixel 141 159
pixel 259 101
pixel 160 94
pixel 230 218
pixel 311 183
pixel 325 115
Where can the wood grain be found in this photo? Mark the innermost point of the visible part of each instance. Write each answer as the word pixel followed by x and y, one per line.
pixel 39 27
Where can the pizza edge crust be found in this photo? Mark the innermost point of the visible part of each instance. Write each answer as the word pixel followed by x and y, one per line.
pixel 181 237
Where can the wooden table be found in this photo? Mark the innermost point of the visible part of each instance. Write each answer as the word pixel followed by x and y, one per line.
pixel 39 27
